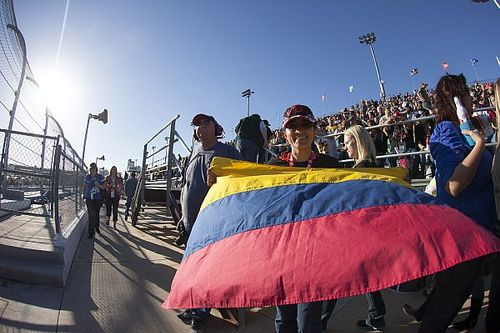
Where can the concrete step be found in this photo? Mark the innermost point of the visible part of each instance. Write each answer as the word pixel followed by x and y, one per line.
pixel 32 271
pixel 38 253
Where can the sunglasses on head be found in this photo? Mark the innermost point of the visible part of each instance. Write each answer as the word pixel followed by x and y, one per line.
pixel 205 122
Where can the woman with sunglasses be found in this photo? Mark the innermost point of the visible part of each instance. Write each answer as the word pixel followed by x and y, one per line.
pixel 92 186
pixel 299 129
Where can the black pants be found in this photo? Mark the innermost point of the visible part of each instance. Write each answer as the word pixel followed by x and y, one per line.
pixel 493 314
pixel 93 208
pixel 112 203
pixel 453 287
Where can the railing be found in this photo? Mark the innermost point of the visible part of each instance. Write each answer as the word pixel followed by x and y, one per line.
pixel 161 170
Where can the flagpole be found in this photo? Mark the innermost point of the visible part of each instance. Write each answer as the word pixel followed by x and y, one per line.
pixel 323 104
pixel 473 62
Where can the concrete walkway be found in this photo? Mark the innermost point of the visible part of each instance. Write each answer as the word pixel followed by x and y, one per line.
pixel 119 279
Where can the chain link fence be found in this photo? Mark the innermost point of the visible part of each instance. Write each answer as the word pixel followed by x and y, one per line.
pixel 40 172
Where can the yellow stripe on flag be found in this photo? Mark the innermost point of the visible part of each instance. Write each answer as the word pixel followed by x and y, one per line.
pixel 235 176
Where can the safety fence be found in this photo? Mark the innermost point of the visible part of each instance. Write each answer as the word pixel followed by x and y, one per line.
pixel 43 178
pixel 40 173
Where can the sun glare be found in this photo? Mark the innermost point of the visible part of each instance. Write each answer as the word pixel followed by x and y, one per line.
pixel 59 91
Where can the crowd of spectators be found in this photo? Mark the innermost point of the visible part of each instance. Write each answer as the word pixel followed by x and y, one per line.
pixel 401 138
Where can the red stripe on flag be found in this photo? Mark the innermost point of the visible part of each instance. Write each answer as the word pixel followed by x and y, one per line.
pixel 328 257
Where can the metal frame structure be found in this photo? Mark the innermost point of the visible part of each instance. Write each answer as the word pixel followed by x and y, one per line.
pixel 148 179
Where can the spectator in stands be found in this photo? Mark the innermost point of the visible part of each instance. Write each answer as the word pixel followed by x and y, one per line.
pixel 92 188
pixel 361 148
pixel 206 131
pixel 130 187
pixel 463 182
pixel 114 185
pixel 263 152
pixel 424 96
pixel 299 130
pixel 326 145
pixel 493 313
pixel 251 135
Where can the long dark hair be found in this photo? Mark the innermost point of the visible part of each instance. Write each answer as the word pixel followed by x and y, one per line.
pixel 448 87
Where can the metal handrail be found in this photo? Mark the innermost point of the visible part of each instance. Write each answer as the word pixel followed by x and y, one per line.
pixel 329 135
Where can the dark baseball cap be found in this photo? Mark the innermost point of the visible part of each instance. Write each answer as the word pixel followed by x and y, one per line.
pixel 200 117
pixel 298 111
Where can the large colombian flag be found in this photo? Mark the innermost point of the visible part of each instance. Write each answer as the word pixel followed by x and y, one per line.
pixel 270 235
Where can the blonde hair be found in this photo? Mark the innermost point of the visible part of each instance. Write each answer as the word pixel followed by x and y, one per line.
pixel 364 143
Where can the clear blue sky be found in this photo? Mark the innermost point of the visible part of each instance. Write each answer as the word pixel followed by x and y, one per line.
pixel 147 61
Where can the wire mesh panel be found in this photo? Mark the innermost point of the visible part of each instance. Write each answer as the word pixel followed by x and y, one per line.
pixel 70 180
pixel 40 173
pixel 11 59
pixel 26 181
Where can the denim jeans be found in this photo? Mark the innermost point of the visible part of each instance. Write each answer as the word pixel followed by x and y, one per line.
pixel 248 149
pixel 299 318
pixel 376 305
pixel 127 206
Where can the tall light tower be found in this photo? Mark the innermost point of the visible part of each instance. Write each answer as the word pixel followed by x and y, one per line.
pixel 369 39
pixel 247 93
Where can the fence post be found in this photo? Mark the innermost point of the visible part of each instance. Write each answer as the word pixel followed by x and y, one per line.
pixel 143 173
pixel 55 188
pixel 169 162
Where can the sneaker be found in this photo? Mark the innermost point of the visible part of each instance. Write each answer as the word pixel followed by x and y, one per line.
pixel 411 311
pixel 186 316
pixel 371 324
pixel 197 325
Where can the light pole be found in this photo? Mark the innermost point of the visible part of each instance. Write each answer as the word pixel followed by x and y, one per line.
pixel 474 61
pixel 247 93
pixel 103 116
pixel 17 93
pixel 102 158
pixel 413 72
pixel 369 39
